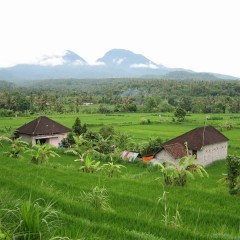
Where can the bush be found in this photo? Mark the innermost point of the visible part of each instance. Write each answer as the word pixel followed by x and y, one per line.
pixel 233 175
pixel 145 121
pixel 151 147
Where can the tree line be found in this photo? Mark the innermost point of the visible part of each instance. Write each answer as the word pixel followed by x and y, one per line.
pixel 119 95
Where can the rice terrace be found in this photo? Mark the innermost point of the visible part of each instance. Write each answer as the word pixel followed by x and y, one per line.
pixel 63 199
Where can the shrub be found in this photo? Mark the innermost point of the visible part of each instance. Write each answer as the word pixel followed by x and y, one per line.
pixel 151 147
pixel 145 121
pixel 233 174
pixel 180 114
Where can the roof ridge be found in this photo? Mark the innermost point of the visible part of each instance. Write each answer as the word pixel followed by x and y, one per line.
pixel 38 121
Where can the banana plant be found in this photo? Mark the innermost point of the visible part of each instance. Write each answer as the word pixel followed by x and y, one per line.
pixel 17 146
pixel 41 153
pixel 112 168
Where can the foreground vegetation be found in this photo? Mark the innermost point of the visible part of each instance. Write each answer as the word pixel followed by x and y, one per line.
pixel 78 203
pixel 136 207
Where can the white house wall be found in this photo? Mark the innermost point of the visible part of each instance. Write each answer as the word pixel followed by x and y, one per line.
pixel 205 156
pixel 211 153
pixel 50 139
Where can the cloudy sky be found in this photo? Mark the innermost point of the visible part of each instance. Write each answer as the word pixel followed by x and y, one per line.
pixel 202 35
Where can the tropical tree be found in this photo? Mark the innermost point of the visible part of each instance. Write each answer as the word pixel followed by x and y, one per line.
pixel 180 114
pixel 77 128
pixel 41 153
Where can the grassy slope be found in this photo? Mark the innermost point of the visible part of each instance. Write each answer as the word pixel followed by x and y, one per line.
pixel 206 208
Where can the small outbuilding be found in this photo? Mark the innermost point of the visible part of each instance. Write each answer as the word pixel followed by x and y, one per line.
pixel 44 130
pixel 206 143
pixel 129 156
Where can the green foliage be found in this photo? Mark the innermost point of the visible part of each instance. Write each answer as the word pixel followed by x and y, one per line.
pixel 180 114
pixel 107 131
pixel 31 220
pixel 41 153
pixel 112 168
pixel 68 141
pixel 174 221
pixel 79 129
pixel 233 174
pixel 132 196
pixel 121 140
pixel 98 198
pixel 226 126
pixel 17 146
pixel 145 121
pixel 104 145
pixel 151 147
pixel 89 165
pixel 177 173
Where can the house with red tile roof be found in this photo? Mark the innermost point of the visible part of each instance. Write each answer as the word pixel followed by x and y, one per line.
pixel 44 130
pixel 206 143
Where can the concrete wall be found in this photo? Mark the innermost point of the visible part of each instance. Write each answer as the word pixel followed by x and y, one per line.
pixel 50 139
pixel 164 156
pixel 205 156
pixel 211 153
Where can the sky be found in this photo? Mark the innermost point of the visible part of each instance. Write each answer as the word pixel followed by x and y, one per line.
pixel 201 35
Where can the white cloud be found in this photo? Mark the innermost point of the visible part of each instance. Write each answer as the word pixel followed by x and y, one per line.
pixel 98 63
pixel 118 60
pixel 50 60
pixel 150 65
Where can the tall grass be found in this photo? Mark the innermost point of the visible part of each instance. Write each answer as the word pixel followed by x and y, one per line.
pixel 31 220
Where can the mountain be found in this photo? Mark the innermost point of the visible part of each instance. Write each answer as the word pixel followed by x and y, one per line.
pixel 126 58
pixel 116 63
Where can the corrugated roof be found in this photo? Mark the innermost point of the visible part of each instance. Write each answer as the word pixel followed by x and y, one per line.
pixel 177 150
pixel 199 137
pixel 43 126
pixel 130 156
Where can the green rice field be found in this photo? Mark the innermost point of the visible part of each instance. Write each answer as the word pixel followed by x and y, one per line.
pixel 206 209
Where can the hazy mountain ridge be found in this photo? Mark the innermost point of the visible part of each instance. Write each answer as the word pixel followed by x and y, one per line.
pixel 116 63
